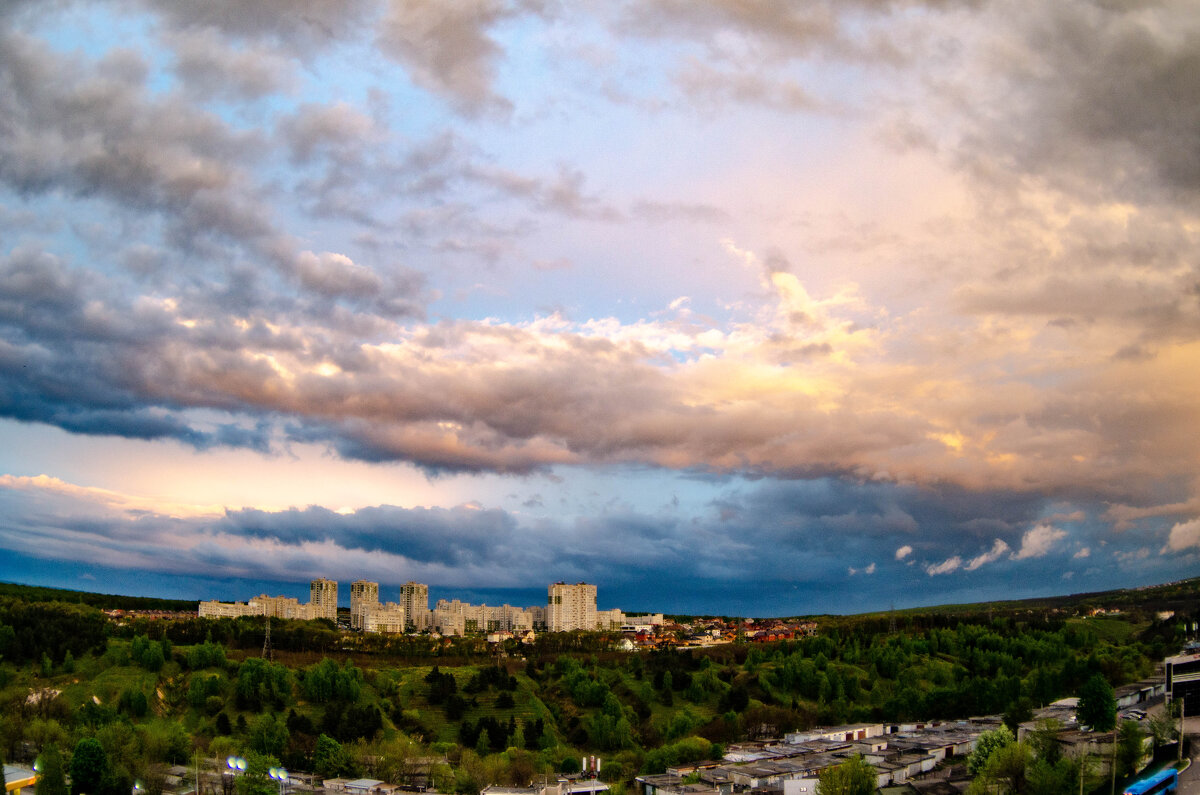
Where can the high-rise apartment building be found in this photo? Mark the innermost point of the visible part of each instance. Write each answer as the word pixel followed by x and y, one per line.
pixel 571 607
pixel 364 597
pixel 323 599
pixel 414 597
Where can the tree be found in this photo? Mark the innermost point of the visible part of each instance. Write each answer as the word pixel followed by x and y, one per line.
pixel 269 734
pixel 256 781
pixel 1045 778
pixel 51 778
pixel 1130 747
pixel 1097 705
pixel 987 744
pixel 1044 741
pixel 1163 728
pixel 89 763
pixel 1017 713
pixel 330 758
pixel 1006 770
pixel 855 776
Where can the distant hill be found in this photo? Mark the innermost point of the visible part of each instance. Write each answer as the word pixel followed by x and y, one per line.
pixel 1172 596
pixel 1181 595
pixel 36 593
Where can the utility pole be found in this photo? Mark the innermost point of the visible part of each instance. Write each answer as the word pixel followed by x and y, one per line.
pixel 1114 760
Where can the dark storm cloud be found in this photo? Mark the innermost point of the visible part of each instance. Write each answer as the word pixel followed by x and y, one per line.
pixel 455 536
pixel 787 547
pixel 1116 97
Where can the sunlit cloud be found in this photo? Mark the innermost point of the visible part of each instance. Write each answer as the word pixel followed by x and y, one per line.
pixel 945 567
pixel 1184 535
pixel 995 553
pixel 1038 541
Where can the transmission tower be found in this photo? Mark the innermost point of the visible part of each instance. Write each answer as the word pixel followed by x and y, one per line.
pixel 892 620
pixel 268 652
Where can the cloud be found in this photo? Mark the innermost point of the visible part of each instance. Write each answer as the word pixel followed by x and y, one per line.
pixel 1184 535
pixel 1038 541
pixel 945 567
pixel 1084 552
pixel 248 228
pixel 447 49
pixel 301 25
pixel 94 130
pixel 208 67
pixel 998 549
pixel 132 505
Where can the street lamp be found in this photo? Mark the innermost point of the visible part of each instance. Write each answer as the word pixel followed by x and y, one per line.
pixel 235 765
pixel 137 788
pixel 280 775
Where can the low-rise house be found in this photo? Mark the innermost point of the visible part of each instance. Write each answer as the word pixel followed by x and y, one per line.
pixel 857 731
pixel 665 784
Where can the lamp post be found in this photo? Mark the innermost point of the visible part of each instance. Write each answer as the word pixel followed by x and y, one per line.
pixel 235 765
pixel 281 775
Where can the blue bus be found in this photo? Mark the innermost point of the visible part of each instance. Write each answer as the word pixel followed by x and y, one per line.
pixel 1166 780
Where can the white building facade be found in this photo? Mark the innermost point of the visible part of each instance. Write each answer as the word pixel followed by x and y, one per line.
pixel 323 599
pixel 571 607
pixel 364 597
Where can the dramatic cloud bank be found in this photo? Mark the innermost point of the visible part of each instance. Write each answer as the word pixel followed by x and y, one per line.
pixel 681 298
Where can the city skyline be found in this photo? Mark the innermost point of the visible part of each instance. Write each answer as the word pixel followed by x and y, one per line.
pixel 729 307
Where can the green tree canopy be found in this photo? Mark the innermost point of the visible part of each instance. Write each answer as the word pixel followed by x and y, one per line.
pixel 1005 771
pixel 89 763
pixel 52 780
pixel 1097 705
pixel 330 759
pixel 1130 747
pixel 855 776
pixel 269 734
pixel 987 744
pixel 256 780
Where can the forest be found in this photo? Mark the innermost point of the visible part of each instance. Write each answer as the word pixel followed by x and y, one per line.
pixel 456 714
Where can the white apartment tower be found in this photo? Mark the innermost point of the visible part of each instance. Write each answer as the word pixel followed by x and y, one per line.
pixel 571 607
pixel 364 597
pixel 323 599
pixel 414 597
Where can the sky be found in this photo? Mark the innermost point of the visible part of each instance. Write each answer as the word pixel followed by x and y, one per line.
pixel 726 306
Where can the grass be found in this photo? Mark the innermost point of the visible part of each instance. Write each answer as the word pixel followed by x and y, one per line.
pixel 1114 630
